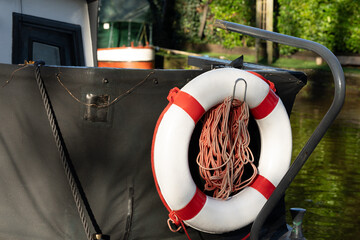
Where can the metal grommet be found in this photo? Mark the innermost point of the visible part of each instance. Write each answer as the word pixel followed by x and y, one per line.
pixel 99 236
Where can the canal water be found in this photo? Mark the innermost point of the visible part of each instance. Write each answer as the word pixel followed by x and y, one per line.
pixel 328 186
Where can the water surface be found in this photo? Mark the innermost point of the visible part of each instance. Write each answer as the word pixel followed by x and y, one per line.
pixel 328 186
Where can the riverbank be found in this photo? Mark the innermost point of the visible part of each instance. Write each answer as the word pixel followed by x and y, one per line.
pixel 175 60
pixel 308 56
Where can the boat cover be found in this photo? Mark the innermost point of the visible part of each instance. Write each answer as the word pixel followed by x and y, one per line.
pixel 109 147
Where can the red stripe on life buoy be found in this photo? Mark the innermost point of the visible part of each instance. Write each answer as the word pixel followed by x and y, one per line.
pixel 190 105
pixel 263 186
pixel 193 207
pixel 266 106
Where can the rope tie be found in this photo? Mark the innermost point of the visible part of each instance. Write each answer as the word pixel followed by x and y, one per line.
pixel 172 94
pixel 174 220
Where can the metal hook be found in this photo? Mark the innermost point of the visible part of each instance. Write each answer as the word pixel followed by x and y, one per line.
pixel 238 80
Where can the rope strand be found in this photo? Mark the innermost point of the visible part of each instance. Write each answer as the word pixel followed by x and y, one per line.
pixel 107 104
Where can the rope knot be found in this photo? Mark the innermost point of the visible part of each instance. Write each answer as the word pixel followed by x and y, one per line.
pixel 172 94
pixel 174 222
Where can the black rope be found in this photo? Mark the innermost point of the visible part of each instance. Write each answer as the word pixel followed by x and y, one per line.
pixel 74 182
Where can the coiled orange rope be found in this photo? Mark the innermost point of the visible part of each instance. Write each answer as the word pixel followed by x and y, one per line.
pixel 224 148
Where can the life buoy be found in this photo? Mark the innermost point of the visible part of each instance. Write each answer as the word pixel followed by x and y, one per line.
pixel 175 126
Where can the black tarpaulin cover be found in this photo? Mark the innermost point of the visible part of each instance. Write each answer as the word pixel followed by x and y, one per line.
pixel 110 149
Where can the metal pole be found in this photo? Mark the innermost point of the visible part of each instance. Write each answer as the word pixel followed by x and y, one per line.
pixel 333 111
pixel 150 34
pixel 129 34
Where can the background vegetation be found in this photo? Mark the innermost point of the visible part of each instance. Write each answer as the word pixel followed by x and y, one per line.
pixel 333 23
pixel 190 12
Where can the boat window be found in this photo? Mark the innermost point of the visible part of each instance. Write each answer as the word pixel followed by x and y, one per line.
pixel 55 42
pixel 49 54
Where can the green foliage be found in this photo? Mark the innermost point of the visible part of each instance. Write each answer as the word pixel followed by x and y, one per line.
pixel 333 23
pixel 189 13
pixel 242 12
pixel 187 20
pixel 349 32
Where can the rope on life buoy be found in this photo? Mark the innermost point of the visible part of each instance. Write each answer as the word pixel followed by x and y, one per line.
pixel 224 148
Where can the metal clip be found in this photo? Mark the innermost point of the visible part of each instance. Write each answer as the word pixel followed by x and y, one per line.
pixel 233 95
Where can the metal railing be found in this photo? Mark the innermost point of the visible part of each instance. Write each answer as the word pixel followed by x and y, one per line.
pixel 328 119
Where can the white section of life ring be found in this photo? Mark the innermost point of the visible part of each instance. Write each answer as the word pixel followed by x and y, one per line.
pixel 171 143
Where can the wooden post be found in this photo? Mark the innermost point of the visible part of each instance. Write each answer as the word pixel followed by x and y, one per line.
pixel 269 27
pixel 258 25
pixel 264 20
pixel 203 21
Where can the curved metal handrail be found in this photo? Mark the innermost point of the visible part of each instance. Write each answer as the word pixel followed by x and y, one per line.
pixel 329 117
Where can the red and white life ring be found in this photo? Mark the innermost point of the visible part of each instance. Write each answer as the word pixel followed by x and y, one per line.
pixel 171 142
